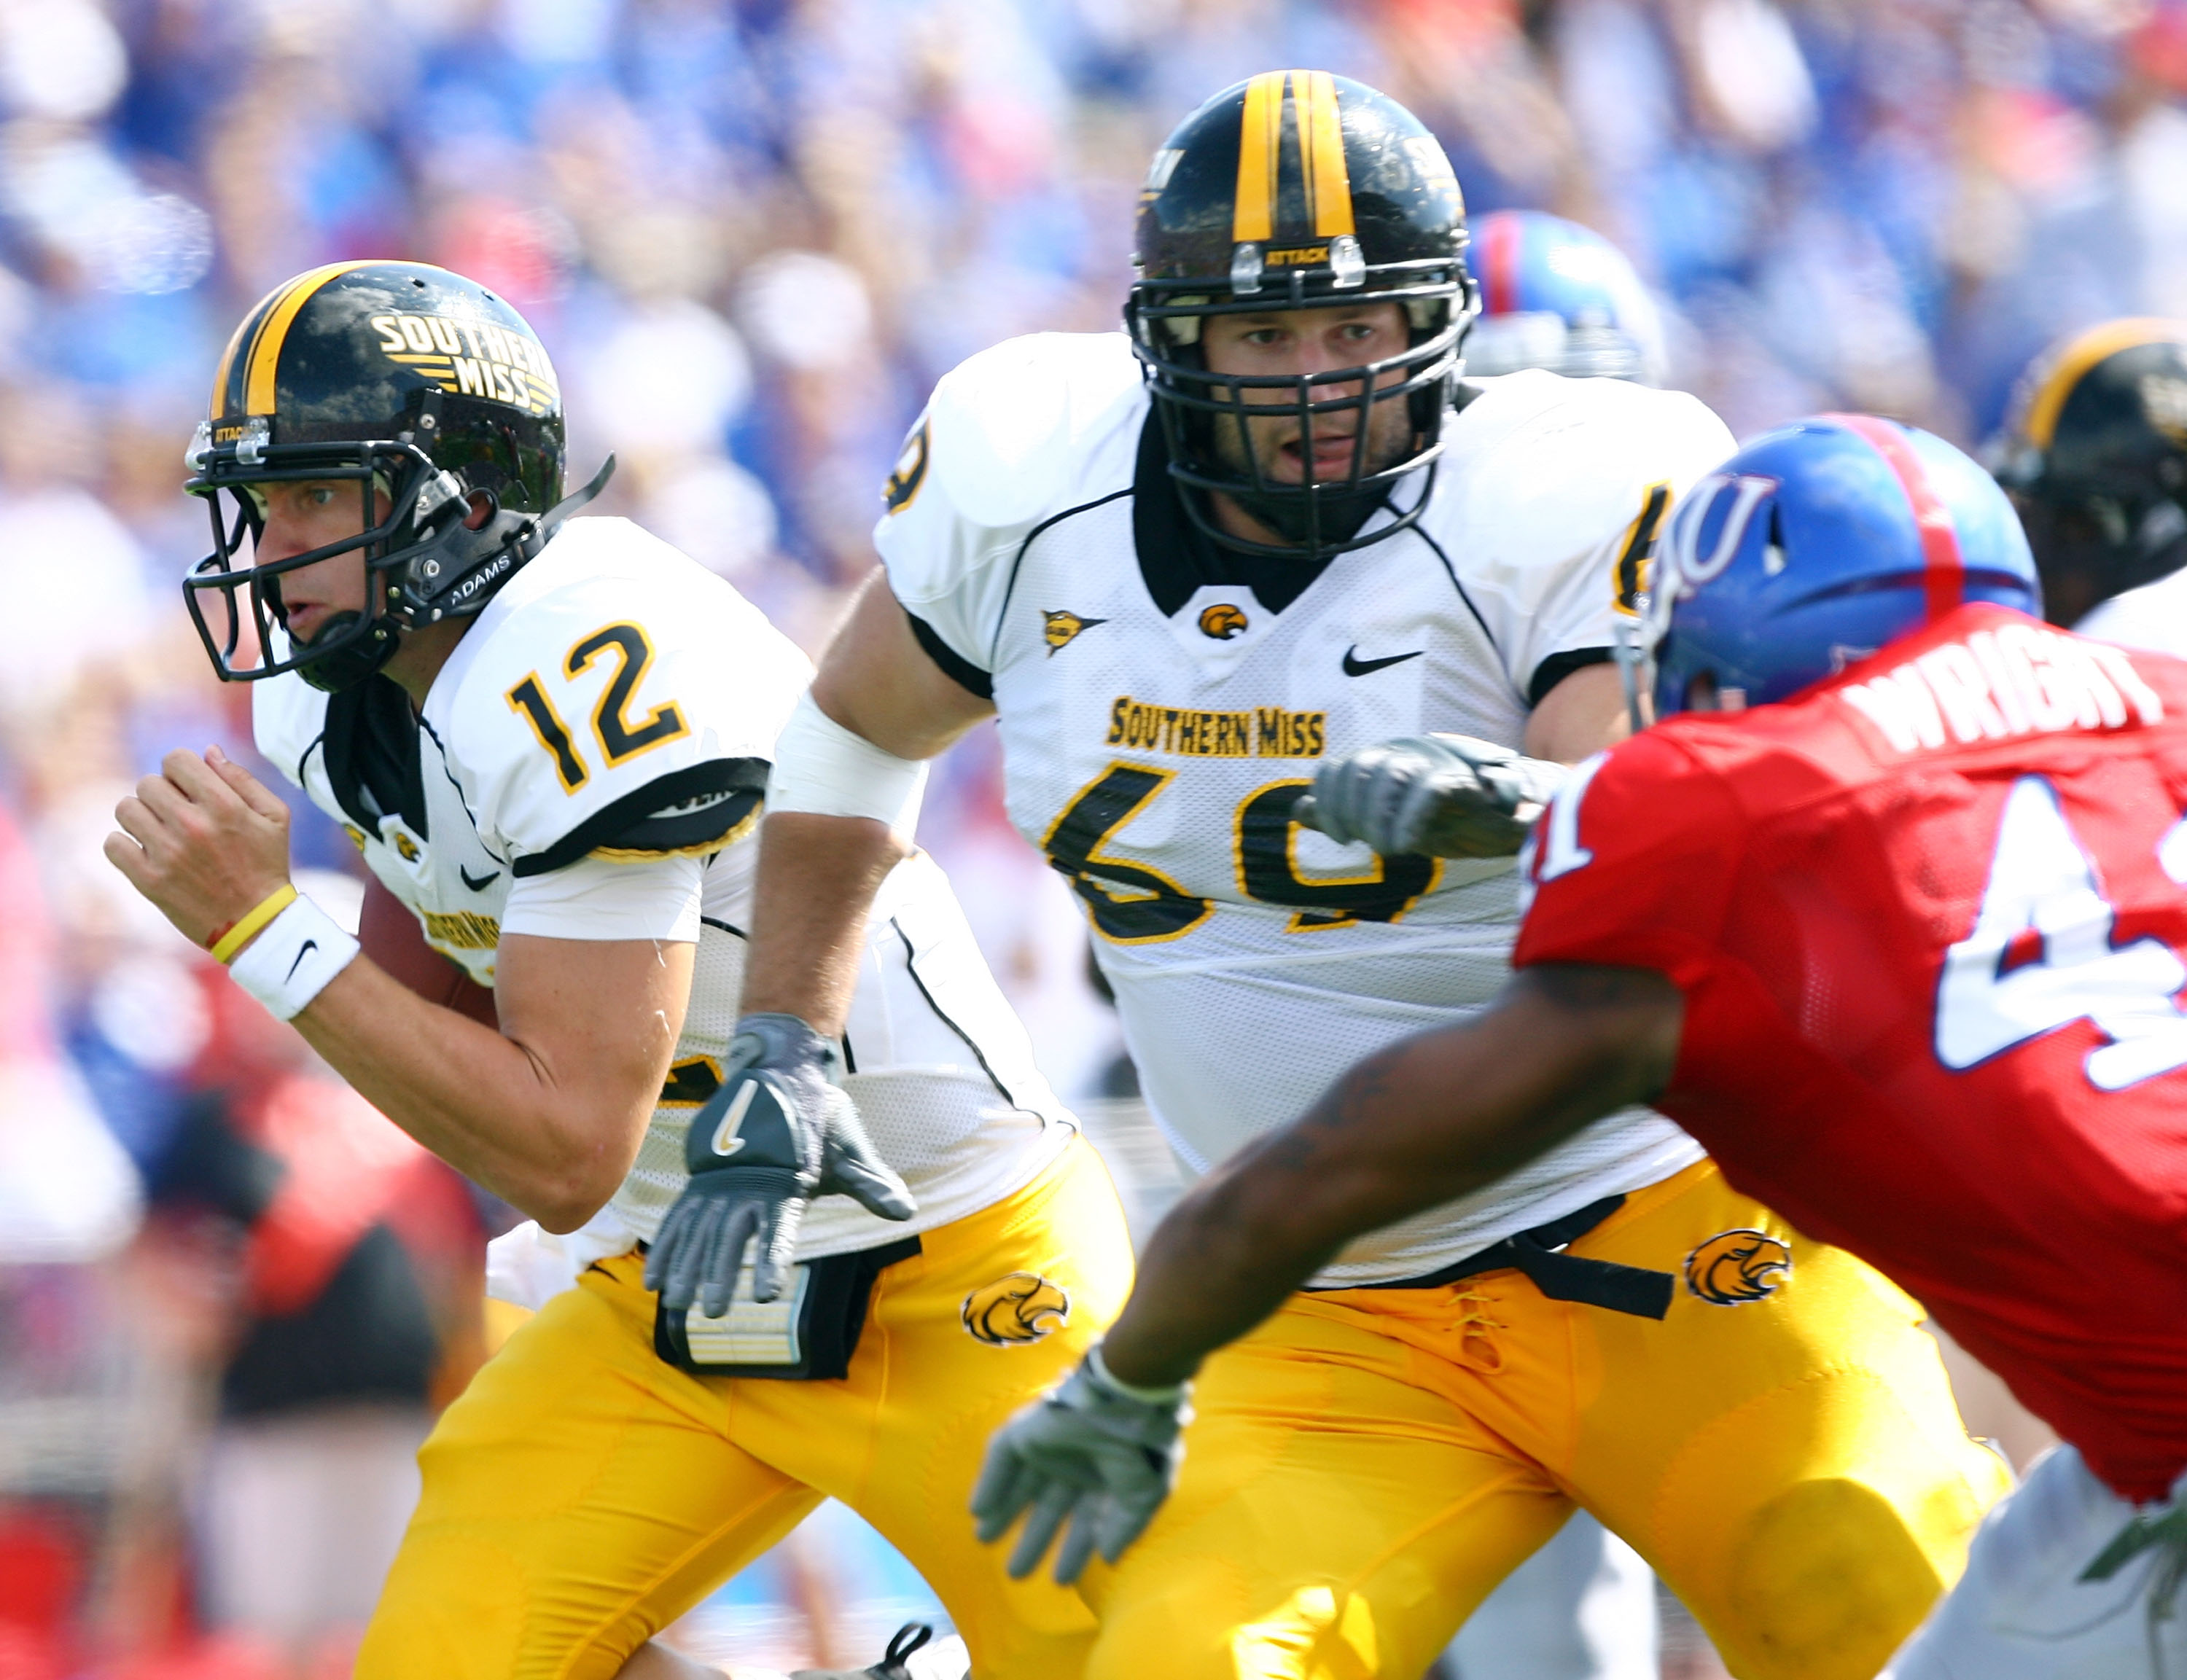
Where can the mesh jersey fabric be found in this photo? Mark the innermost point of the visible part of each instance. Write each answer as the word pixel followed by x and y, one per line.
pixel 1815 887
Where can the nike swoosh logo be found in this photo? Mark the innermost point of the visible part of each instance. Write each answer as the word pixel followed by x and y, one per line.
pixel 482 883
pixel 726 1141
pixel 310 946
pixel 1355 667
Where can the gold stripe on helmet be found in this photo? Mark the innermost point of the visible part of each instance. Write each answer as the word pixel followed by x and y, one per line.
pixel 2080 355
pixel 1260 151
pixel 1321 148
pixel 266 349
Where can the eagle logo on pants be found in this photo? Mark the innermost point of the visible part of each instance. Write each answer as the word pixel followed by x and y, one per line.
pixel 1738 1266
pixel 1013 1310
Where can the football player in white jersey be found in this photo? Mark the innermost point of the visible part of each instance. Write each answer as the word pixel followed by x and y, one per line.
pixel 1180 565
pixel 2095 457
pixel 549 740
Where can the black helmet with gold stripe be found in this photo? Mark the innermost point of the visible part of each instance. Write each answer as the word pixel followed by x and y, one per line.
pixel 2094 455
pixel 1298 189
pixel 428 392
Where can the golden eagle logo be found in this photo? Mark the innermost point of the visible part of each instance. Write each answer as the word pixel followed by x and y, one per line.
pixel 910 471
pixel 405 847
pixel 1013 1310
pixel 1059 627
pixel 1222 622
pixel 1738 1266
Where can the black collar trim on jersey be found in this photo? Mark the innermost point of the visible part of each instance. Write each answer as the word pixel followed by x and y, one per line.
pixel 372 757
pixel 696 808
pixel 1176 557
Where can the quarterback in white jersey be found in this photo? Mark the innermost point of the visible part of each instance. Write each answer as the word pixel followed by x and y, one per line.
pixel 1182 566
pixel 550 740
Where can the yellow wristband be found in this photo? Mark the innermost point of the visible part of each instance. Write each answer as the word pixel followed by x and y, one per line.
pixel 225 947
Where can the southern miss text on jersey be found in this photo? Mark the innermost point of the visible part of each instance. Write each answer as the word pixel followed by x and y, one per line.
pixel 1158 717
pixel 616 700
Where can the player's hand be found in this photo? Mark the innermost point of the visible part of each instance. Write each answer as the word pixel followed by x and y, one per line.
pixel 778 1134
pixel 204 839
pixel 1435 795
pixel 1087 1453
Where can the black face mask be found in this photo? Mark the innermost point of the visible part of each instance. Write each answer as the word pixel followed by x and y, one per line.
pixel 353 657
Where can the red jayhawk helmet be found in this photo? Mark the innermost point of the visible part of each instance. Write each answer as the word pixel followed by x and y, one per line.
pixel 1298 189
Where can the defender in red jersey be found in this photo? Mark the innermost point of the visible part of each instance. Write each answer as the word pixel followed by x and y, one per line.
pixel 1905 951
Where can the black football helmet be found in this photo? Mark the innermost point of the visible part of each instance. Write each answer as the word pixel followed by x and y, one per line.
pixel 422 388
pixel 1298 189
pixel 2094 455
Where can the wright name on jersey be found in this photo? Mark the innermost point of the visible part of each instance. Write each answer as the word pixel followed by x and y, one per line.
pixel 1158 718
pixel 615 700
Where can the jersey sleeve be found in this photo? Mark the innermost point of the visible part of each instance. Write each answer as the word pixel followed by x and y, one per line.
pixel 627 712
pixel 1001 448
pixel 1582 478
pixel 1632 863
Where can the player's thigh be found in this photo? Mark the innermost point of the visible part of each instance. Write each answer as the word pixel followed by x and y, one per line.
pixel 995 1309
pixel 2022 1612
pixel 578 1497
pixel 1335 1519
pixel 1783 1446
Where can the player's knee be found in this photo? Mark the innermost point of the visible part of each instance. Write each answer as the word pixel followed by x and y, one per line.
pixel 1827 1580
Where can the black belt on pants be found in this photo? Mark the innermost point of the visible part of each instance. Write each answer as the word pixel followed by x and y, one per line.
pixel 1539 1253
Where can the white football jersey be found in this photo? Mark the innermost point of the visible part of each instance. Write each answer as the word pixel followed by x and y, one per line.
pixel 1158 722
pixel 616 699
pixel 2152 618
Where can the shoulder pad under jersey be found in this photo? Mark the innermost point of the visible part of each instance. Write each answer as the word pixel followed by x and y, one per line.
pixel 288 716
pixel 615 697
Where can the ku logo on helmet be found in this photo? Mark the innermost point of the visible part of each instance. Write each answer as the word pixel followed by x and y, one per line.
pixel 1015 1310
pixel 1738 1266
pixel 1710 528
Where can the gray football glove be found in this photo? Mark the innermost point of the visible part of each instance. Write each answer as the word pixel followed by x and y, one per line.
pixel 1435 795
pixel 778 1134
pixel 1087 1452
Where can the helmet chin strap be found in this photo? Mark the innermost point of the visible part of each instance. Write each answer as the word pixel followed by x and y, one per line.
pixel 362 655
pixel 1297 520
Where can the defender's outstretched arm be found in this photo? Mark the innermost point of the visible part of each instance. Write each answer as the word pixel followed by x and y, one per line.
pixel 1427 1120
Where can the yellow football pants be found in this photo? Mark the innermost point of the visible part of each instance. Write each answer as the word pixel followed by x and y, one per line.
pixel 1367 1465
pixel 581 1495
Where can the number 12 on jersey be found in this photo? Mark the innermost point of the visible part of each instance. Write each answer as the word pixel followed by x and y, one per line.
pixel 2042 882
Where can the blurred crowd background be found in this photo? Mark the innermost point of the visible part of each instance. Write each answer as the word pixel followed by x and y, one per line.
pixel 752 233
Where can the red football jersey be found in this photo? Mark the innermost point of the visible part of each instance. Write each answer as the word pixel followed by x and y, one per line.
pixel 1929 921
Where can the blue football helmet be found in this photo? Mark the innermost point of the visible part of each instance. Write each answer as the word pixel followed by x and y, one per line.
pixel 1557 295
pixel 1815 545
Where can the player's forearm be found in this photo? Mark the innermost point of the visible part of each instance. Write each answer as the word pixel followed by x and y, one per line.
pixel 817 878
pixel 1439 1116
pixel 488 1106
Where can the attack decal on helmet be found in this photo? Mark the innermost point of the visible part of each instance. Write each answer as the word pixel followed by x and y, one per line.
pixel 430 394
pixel 1297 189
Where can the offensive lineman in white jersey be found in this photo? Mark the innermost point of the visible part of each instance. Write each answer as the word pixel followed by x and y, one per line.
pixel 2095 457
pixel 549 740
pixel 1178 592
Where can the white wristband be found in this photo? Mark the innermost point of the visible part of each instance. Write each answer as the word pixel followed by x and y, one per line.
pixel 823 768
pixel 1146 1396
pixel 290 962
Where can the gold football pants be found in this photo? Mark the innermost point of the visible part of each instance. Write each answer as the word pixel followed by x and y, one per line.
pixel 1783 1447
pixel 581 1495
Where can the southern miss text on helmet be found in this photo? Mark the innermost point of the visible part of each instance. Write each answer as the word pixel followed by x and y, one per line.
pixel 1298 189
pixel 430 394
